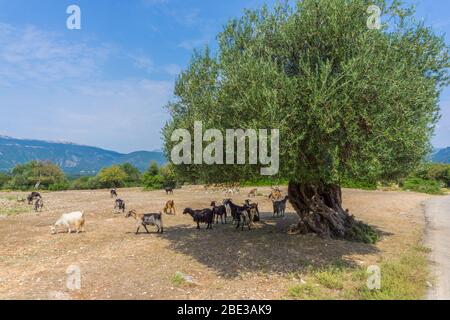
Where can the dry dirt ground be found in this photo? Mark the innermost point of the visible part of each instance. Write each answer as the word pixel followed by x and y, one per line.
pixel 224 263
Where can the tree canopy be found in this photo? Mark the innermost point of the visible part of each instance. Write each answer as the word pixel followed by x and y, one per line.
pixel 350 102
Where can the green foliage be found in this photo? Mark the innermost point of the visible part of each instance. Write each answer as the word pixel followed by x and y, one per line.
pixel 112 177
pixel 435 171
pixel 361 232
pixel 422 185
pixel 158 178
pixel 350 103
pixel 85 183
pixel 133 175
pixel 4 180
pixel 363 185
pixel 26 176
pixel 178 279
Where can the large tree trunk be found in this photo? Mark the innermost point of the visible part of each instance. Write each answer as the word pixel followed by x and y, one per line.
pixel 320 209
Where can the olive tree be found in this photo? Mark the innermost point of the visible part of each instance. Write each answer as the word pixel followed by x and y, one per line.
pixel 351 102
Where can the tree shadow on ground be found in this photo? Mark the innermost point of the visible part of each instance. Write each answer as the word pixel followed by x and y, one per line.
pixel 268 248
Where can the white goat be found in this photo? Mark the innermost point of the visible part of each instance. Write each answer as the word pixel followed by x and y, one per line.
pixel 67 220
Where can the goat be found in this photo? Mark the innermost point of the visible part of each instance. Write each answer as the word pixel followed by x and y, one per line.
pixel 252 193
pixel 275 195
pixel 219 211
pixel 170 207
pixel 255 207
pixel 169 190
pixel 113 193
pixel 38 205
pixel 74 218
pixel 120 205
pixel 32 197
pixel 240 214
pixel 147 219
pixel 201 216
pixel 279 207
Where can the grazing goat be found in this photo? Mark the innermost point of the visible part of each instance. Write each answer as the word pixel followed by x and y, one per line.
pixel 201 216
pixel 120 205
pixel 253 193
pixel 38 205
pixel 241 214
pixel 70 219
pixel 147 219
pixel 254 206
pixel 113 193
pixel 219 211
pixel 169 208
pixel 279 207
pixel 32 197
pixel 169 190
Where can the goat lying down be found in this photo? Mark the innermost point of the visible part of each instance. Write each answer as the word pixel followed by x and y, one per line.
pixel 147 219
pixel 68 220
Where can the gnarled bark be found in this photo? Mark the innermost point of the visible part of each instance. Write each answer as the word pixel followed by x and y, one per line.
pixel 320 209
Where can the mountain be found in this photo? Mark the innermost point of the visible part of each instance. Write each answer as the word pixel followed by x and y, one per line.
pixel 441 156
pixel 72 158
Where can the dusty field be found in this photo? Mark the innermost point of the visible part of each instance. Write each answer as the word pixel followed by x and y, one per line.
pixel 224 263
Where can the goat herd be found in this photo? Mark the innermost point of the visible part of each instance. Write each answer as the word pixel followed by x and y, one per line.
pixel 242 215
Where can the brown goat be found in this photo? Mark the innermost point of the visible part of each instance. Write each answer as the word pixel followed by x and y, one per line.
pixel 169 208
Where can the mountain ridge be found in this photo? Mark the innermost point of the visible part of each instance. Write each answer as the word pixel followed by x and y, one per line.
pixel 71 157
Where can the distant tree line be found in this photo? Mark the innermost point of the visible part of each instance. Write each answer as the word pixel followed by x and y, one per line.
pixel 44 175
pixel 429 178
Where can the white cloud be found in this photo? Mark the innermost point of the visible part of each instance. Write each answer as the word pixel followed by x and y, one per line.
pixel 30 54
pixel 143 62
pixel 172 69
pixel 191 44
pixel 64 84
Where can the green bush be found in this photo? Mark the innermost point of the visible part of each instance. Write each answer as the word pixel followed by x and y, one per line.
pixel 112 177
pixel 59 186
pixel 27 176
pixel 4 179
pixel 159 177
pixel 421 185
pixel 354 184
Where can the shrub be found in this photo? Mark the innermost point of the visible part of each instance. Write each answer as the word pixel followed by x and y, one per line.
pixel 421 185
pixel 4 179
pixel 44 174
pixel 112 177
pixel 59 186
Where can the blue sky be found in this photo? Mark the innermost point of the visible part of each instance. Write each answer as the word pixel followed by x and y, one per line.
pixel 106 84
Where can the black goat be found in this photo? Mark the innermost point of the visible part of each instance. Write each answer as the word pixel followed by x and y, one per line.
pixel 279 207
pixel 219 211
pixel 120 205
pixel 38 205
pixel 113 193
pixel 201 216
pixel 242 215
pixel 169 190
pixel 32 196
